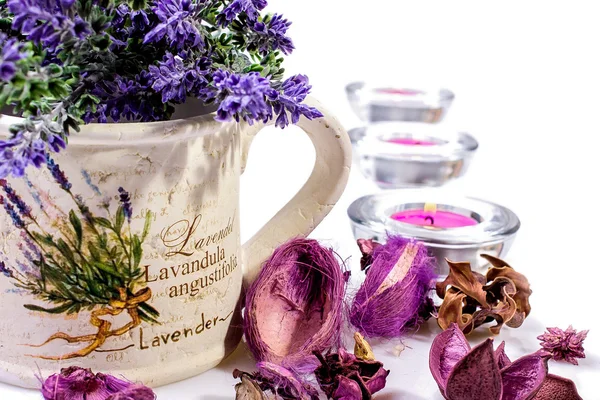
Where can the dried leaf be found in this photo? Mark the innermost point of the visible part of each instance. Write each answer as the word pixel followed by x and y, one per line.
pixel 247 389
pixel 367 247
pixel 523 378
pixel 451 311
pixel 501 357
pixel 447 349
pixel 461 277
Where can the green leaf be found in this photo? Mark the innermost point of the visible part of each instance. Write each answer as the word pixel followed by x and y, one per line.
pixel 56 310
pixel 76 222
pixel 136 249
pixel 103 222
pixel 107 268
pixel 120 219
pixel 147 223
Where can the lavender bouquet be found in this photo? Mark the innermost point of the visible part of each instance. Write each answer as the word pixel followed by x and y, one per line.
pixel 65 62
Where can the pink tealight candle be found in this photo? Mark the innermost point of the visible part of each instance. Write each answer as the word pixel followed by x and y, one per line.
pixel 411 142
pixel 434 219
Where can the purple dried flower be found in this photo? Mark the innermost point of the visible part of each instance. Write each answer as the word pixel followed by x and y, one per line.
pixel 20 151
pixel 243 96
pixel 250 7
pixel 463 373
pixel 292 93
pixel 280 381
pixel 175 80
pixel 557 388
pixel 79 383
pixel 295 305
pixel 10 55
pixel 58 174
pixel 271 36
pixel 176 23
pixel 125 200
pixel 343 376
pixel 395 289
pixel 564 345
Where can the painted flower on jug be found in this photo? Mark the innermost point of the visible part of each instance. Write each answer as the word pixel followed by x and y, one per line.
pixel 76 260
pixel 65 63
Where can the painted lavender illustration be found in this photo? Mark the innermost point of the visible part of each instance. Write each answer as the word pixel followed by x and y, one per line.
pixel 76 261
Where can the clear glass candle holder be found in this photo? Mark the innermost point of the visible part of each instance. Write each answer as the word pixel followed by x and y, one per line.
pixel 375 103
pixel 411 155
pixel 490 228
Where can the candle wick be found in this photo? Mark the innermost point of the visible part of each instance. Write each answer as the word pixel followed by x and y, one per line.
pixel 428 218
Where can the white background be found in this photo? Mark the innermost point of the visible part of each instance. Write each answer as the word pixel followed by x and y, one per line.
pixel 527 85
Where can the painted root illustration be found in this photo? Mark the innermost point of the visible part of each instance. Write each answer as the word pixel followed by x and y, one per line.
pixel 86 262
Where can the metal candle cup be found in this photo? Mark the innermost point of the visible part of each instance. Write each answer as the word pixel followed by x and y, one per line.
pixel 395 156
pixel 375 103
pixel 492 231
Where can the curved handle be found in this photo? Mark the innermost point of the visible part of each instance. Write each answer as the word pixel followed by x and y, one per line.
pixel 317 197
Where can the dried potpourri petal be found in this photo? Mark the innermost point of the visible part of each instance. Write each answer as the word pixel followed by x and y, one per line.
pixel 344 376
pixel 81 383
pixel 276 379
pixel 295 305
pixel 471 299
pixel 367 248
pixel 395 290
pixel 557 388
pixel 481 373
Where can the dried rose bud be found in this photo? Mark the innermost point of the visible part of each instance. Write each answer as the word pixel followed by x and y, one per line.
pixel 295 305
pixel 342 376
pixel 395 289
pixel 362 348
pixel 564 345
pixel 472 299
pixel 479 373
pixel 276 379
pixel 81 383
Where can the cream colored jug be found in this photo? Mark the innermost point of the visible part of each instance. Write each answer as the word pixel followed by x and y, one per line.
pixel 123 254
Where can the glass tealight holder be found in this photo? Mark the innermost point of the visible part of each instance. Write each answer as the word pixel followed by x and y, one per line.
pixel 459 229
pixel 375 103
pixel 411 155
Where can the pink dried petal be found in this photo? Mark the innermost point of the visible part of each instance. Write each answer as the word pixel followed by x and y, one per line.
pixel 476 376
pixel 557 388
pixel 501 357
pixel 367 248
pixel 377 382
pixel 348 389
pixel 447 349
pixel 522 379
pixel 135 392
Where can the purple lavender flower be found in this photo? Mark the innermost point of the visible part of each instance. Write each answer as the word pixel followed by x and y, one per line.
pixel 32 246
pixel 23 208
pixel 47 21
pixel 125 200
pixel 174 79
pixel 271 36
pixel 58 175
pixel 176 23
pixel 250 7
pixel 243 96
pixel 12 213
pixel 11 53
pixel 564 345
pixel 293 91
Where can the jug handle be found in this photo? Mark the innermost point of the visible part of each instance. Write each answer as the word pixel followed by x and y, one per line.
pixel 314 200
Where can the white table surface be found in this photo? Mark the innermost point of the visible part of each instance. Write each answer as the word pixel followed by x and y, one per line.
pixel 526 79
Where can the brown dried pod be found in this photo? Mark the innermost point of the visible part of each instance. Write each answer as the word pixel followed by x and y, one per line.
pixel 472 299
